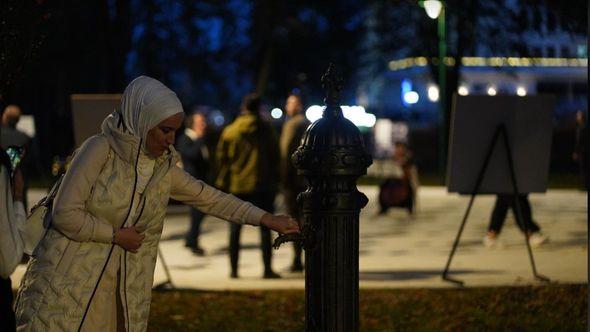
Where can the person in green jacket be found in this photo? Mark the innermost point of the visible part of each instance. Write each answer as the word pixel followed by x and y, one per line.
pixel 248 161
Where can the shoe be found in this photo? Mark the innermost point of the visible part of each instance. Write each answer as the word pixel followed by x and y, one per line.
pixel 234 275
pixel 197 250
pixel 271 275
pixel 536 239
pixel 491 242
pixel 296 267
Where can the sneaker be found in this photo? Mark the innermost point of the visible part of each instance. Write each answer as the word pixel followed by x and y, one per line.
pixel 536 239
pixel 492 242
pixel 271 275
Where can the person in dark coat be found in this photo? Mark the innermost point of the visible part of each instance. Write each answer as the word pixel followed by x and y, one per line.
pixel 293 184
pixel 248 158
pixel 9 135
pixel 195 160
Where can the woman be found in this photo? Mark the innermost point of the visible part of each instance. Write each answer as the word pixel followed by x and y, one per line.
pixel 401 189
pixel 94 269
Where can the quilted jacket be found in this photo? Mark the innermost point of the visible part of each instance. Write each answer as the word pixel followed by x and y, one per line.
pixel 78 280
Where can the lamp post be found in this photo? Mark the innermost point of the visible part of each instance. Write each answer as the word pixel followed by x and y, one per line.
pixel 435 9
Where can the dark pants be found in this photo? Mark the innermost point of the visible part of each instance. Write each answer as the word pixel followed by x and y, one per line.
pixel 7 320
pixel 192 237
pixel 505 201
pixel 264 201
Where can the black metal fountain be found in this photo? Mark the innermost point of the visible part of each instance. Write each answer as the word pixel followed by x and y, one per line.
pixel 332 156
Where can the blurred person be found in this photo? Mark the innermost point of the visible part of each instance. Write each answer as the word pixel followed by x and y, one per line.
pixel 12 211
pixel 195 160
pixel 248 161
pixel 401 189
pixel 292 183
pixel 10 135
pixel 94 268
pixel 498 217
pixel 581 153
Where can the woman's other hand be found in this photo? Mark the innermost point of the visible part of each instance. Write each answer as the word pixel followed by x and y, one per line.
pixel 280 223
pixel 128 238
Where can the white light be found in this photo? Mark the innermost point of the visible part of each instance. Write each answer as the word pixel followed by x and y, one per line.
pixel 356 114
pixel 463 91
pixel 370 120
pixel 314 113
pixel 411 97
pixel 433 93
pixel 433 8
pixel 26 124
pixel 521 91
pixel 218 118
pixel 492 91
pixel 276 113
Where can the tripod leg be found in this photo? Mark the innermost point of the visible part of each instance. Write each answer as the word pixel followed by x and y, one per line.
pixel 475 191
pixel 168 276
pixel 517 209
pixel 521 223
pixel 456 244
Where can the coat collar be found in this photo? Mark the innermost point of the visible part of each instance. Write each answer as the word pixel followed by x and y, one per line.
pixel 127 146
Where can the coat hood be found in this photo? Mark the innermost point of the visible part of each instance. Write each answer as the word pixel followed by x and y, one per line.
pixel 126 145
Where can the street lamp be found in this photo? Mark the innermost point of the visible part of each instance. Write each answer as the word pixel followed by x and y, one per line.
pixel 436 10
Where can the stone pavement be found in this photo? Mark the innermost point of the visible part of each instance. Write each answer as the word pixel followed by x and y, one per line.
pixel 397 250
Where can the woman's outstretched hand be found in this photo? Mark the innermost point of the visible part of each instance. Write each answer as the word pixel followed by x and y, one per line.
pixel 280 223
pixel 128 238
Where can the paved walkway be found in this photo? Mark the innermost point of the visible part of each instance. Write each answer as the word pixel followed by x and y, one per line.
pixel 400 251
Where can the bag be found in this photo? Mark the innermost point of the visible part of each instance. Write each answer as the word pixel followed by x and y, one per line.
pixel 38 221
pixel 394 193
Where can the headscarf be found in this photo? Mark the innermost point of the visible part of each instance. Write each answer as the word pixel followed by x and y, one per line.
pixel 145 103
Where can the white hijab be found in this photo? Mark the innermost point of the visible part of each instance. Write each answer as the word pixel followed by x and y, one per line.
pixel 145 103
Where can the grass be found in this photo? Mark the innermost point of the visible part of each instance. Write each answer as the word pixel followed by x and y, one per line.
pixel 532 308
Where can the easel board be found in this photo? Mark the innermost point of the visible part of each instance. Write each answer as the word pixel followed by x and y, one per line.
pixel 88 112
pixel 475 119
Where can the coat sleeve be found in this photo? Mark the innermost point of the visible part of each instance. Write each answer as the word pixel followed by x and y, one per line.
pixel 211 201
pixel 11 248
pixel 69 208
pixel 222 162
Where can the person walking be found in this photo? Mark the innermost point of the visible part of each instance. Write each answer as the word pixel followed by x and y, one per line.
pixel 248 159
pixel 292 183
pixel 195 161
pixel 94 268
pixel 527 225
